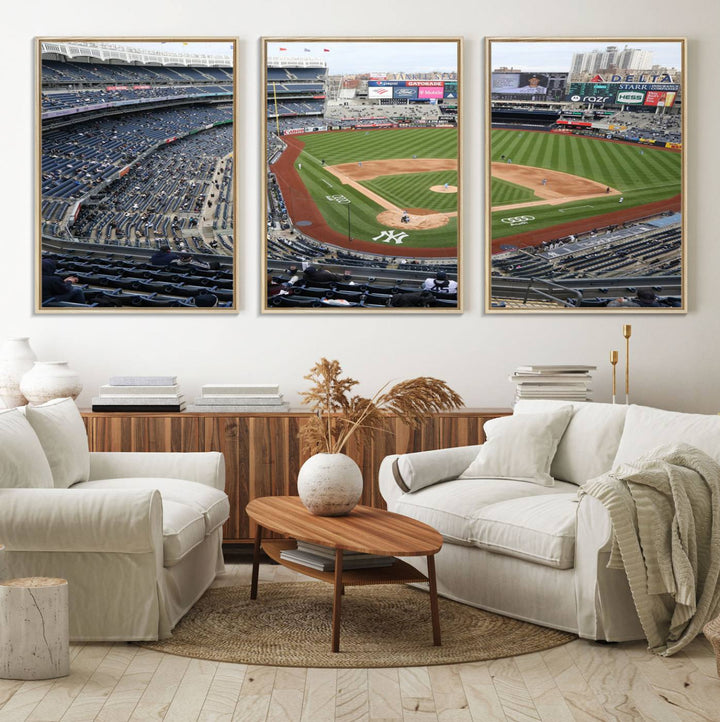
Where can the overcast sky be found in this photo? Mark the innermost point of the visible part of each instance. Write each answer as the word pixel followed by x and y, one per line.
pixel 552 56
pixel 348 57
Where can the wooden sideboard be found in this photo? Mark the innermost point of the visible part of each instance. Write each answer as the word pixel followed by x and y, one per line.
pixel 262 453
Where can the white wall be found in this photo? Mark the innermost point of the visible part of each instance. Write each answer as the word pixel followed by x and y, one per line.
pixel 675 362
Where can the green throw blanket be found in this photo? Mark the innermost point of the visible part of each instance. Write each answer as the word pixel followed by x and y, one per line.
pixel 665 512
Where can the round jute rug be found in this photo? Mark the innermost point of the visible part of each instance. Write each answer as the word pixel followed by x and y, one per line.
pixel 289 625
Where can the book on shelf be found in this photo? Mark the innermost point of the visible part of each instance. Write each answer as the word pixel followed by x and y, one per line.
pixel 139 400
pixel 329 552
pixel 240 400
pixel 110 390
pixel 323 564
pixel 169 408
pixel 143 380
pixel 240 389
pixel 575 379
pixel 237 408
pixel 554 369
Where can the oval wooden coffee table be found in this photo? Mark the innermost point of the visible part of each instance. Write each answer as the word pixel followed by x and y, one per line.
pixel 364 529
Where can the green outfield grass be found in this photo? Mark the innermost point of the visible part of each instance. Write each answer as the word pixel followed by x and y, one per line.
pixel 404 190
pixel 642 174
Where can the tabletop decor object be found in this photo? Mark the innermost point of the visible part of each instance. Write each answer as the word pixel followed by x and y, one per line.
pixel 49 380
pixel 627 331
pixel 16 357
pixel 331 485
pixel 613 361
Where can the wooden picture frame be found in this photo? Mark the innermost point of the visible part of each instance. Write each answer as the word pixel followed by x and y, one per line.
pixel 362 175
pixel 585 175
pixel 136 177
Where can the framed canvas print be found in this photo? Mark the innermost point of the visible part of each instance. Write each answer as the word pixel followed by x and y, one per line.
pixel 585 175
pixel 136 190
pixel 361 174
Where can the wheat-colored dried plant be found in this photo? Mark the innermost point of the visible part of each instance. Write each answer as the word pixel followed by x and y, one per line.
pixel 339 414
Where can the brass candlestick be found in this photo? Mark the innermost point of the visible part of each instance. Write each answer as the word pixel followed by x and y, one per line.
pixel 613 361
pixel 627 331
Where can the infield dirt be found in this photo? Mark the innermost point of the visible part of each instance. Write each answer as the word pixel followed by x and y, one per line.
pixel 558 187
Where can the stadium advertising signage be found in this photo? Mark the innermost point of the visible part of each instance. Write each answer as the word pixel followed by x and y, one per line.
pixel 375 91
pixel 406 92
pixel 585 208
pixel 432 91
pixel 651 94
pixel 353 209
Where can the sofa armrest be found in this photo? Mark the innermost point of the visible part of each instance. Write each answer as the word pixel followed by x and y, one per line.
pixel 405 473
pixel 604 602
pixel 80 520
pixel 205 467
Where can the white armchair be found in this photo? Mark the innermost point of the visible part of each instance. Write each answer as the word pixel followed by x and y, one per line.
pixel 138 536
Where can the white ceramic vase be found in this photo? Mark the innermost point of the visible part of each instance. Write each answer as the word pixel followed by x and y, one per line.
pixel 49 380
pixel 16 358
pixel 330 484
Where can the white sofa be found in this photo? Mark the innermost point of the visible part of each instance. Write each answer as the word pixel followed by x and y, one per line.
pixel 539 553
pixel 138 536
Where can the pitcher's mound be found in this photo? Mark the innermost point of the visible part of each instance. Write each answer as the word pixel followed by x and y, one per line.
pixel 421 221
pixel 443 189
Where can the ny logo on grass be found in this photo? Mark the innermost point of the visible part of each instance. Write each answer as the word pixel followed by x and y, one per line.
pixel 387 236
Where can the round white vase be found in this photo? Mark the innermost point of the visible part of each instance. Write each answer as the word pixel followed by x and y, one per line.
pixel 49 380
pixel 330 484
pixel 16 358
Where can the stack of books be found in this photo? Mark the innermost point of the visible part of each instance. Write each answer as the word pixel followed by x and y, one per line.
pixel 240 398
pixel 140 393
pixel 564 382
pixel 322 558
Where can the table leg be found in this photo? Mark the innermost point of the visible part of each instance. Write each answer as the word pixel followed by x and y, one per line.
pixel 256 563
pixel 337 600
pixel 434 611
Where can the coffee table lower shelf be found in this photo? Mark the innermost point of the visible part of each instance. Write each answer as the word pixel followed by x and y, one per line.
pixel 399 572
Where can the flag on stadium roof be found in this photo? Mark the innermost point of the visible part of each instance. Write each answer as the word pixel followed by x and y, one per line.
pixel 326 50
pixel 307 50
pixel 282 48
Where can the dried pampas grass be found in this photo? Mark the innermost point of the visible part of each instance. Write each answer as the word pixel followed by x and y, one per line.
pixel 339 415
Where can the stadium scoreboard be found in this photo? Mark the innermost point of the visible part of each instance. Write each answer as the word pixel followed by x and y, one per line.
pixel 419 90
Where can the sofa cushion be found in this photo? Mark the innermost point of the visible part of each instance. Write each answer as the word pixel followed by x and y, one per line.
pixel 22 460
pixel 520 447
pixel 540 529
pixel 61 432
pixel 183 530
pixel 453 507
pixel 212 504
pixel 647 428
pixel 591 439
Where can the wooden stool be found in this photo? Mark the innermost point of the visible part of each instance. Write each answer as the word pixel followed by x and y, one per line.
pixel 34 628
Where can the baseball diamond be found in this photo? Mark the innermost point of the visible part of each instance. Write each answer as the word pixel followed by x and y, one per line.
pixel 385 174
pixel 585 178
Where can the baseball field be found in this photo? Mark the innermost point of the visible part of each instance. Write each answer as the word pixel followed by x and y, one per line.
pixel 546 185
pixel 392 191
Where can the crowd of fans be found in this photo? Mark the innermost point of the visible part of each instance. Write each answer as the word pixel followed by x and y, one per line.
pixel 58 72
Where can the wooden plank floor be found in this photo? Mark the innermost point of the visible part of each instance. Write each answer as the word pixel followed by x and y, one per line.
pixel 580 681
